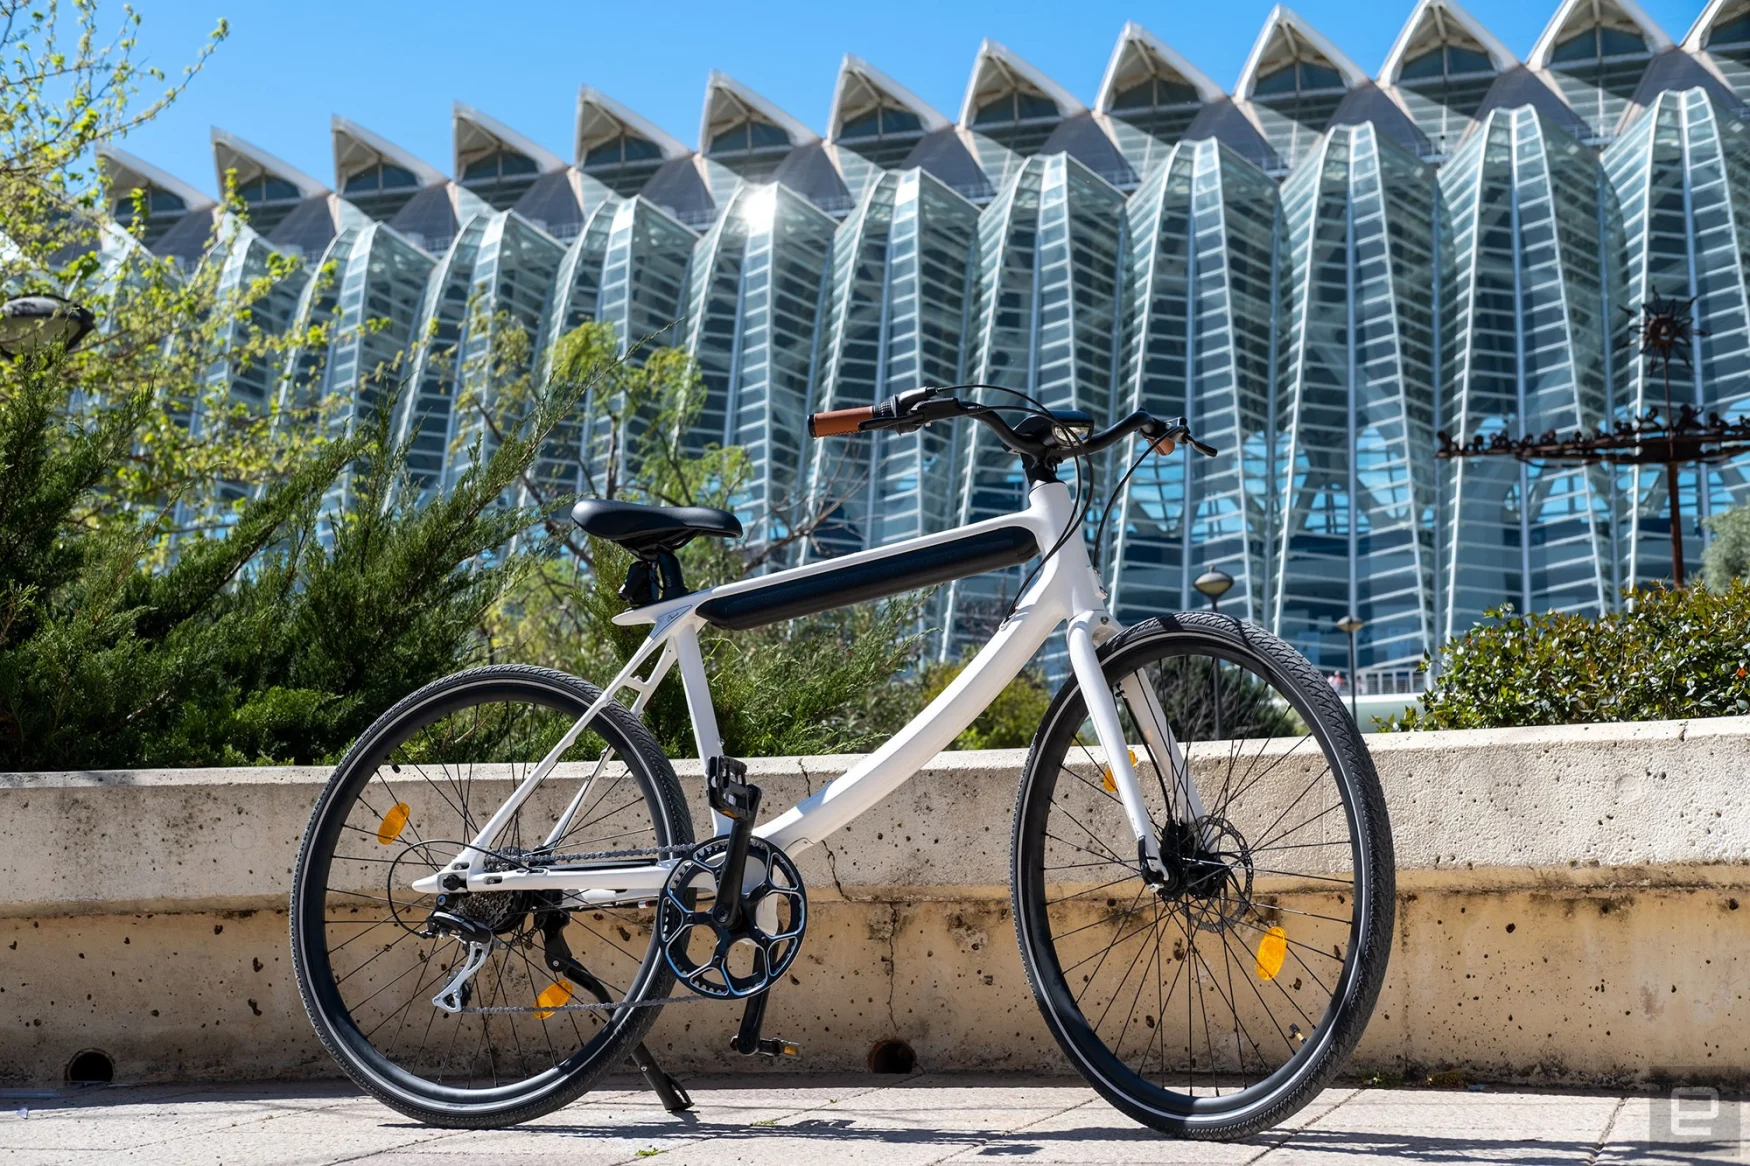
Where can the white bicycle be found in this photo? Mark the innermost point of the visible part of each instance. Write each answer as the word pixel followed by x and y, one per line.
pixel 500 886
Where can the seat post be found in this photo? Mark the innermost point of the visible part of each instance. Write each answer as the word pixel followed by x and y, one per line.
pixel 668 569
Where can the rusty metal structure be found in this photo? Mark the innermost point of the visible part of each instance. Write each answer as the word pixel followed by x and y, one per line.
pixel 1673 437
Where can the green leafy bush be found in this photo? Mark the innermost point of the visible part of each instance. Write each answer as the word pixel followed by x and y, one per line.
pixel 277 642
pixel 1727 556
pixel 1664 655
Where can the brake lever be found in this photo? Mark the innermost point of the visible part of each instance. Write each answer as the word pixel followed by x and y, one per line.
pixel 1178 430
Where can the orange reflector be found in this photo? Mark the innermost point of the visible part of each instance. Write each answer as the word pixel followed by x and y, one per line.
pixel 1106 776
pixel 393 823
pixel 1272 950
pixel 554 995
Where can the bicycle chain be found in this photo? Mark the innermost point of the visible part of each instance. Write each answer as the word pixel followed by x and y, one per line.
pixel 660 1002
pixel 678 848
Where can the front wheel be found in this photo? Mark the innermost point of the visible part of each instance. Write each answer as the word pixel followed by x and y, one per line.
pixel 1213 996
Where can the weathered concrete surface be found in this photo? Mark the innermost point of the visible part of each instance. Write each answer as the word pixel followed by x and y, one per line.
pixel 1569 911
pixel 926 1118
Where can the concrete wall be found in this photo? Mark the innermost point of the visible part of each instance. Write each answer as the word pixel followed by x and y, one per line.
pixel 1569 910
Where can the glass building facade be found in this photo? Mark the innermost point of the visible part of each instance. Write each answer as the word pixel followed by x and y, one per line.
pixel 1322 269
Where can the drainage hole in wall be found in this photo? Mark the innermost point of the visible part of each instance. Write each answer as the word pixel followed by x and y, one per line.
pixel 892 1056
pixel 91 1067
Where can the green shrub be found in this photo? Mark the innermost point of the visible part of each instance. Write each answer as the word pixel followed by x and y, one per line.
pixel 1664 655
pixel 277 642
pixel 1727 556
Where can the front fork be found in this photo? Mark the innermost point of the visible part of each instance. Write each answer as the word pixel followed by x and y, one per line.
pixel 1084 633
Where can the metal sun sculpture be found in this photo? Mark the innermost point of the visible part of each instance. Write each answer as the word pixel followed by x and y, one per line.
pixel 1671 437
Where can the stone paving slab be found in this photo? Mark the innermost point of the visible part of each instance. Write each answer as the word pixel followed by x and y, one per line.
pixel 818 1120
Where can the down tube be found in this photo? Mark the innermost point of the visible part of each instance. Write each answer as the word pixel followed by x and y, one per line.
pixel 928 733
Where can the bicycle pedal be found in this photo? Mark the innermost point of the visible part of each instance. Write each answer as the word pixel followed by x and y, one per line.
pixel 775 1048
pixel 727 793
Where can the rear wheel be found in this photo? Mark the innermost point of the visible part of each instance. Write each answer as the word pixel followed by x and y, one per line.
pixel 1213 998
pixel 425 778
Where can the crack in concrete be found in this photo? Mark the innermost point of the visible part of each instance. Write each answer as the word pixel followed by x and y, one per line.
pixel 832 862
pixel 727 1130
pixel 1289 1135
pixel 893 968
pixel 1021 1129
pixel 1609 1128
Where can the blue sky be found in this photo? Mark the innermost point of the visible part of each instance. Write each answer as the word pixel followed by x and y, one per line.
pixel 396 67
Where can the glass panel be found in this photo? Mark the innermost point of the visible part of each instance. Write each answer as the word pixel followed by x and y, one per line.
pixel 1460 61
pixel 1427 65
pixel 866 126
pixel 1583 47
pixel 1280 81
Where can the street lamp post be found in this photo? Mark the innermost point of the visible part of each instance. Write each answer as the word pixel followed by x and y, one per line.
pixel 40 323
pixel 1349 625
pixel 1215 584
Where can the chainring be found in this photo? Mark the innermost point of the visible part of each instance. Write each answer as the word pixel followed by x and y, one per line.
pixel 704 954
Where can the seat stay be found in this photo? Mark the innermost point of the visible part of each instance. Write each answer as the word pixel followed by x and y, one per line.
pixel 471 859
pixel 643 688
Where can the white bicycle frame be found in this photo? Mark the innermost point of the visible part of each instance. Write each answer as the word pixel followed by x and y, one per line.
pixel 1066 589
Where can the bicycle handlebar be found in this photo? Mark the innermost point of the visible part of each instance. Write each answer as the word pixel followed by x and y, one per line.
pixel 838 422
pixel 1036 438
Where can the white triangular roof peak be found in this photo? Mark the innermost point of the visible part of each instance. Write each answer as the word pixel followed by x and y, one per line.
pixel 997 70
pixel 1285 30
pixel 476 134
pixel 1138 46
pixel 856 74
pixel 355 148
pixel 125 171
pixel 1715 14
pixel 600 117
pixel 728 102
pixel 231 152
pixel 1433 24
pixel 1576 16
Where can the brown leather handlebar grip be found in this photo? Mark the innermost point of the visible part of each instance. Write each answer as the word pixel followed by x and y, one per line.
pixel 838 422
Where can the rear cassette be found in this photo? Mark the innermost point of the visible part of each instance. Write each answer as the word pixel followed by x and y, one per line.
pixel 727 963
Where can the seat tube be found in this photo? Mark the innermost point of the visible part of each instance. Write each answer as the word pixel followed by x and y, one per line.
pixel 700 710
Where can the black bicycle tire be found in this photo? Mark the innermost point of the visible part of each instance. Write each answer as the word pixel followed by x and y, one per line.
pixel 636 747
pixel 1363 975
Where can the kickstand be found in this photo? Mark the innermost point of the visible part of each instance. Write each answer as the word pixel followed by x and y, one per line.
pixel 669 1091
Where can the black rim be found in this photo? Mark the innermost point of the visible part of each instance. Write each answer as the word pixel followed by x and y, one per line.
pixel 1214 994
pixel 448 763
